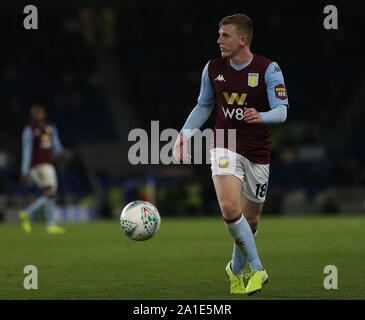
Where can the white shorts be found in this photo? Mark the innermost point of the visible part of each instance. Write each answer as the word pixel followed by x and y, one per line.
pixel 254 177
pixel 44 175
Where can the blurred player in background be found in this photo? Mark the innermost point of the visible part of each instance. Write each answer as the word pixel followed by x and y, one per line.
pixel 250 95
pixel 39 142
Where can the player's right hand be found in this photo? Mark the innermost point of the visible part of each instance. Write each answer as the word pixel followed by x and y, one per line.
pixel 24 179
pixel 181 148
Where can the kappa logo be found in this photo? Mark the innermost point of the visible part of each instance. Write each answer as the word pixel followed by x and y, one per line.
pixel 240 243
pixel 277 69
pixel 220 78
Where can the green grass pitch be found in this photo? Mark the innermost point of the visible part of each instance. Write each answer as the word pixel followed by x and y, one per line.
pixel 185 260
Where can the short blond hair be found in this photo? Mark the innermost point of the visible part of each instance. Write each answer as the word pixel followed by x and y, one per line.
pixel 243 24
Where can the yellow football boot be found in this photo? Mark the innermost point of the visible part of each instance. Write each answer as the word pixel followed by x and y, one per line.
pixel 55 230
pixel 237 286
pixel 247 274
pixel 255 281
pixel 23 215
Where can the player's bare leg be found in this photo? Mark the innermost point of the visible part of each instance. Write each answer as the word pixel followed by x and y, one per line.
pixel 229 189
pixel 252 212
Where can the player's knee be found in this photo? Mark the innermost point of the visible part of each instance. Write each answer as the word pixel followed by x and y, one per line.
pixel 230 209
pixel 49 192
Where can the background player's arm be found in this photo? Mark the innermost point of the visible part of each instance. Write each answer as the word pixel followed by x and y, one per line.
pixel 27 149
pixel 58 148
pixel 197 117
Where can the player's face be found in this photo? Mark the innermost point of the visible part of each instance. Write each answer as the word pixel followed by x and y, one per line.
pixel 38 114
pixel 229 41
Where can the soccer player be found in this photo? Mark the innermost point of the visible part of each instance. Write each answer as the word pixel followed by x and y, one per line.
pixel 250 95
pixel 39 142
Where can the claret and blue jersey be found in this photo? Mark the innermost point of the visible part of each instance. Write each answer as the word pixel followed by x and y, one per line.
pixel 258 84
pixel 39 143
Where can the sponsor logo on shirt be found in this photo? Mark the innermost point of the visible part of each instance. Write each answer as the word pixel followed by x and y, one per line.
pixel 280 91
pixel 234 97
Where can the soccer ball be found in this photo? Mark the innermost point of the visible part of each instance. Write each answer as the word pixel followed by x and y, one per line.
pixel 140 220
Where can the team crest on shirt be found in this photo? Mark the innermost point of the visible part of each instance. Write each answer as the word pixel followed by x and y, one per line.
pixel 253 79
pixel 49 129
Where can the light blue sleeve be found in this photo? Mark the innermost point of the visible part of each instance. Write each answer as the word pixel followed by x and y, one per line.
pixel 276 115
pixel 204 108
pixel 27 149
pixel 57 146
pixel 275 86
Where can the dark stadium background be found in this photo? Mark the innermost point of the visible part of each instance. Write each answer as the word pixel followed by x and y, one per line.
pixel 103 68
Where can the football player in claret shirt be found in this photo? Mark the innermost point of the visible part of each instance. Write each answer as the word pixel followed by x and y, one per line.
pixel 40 142
pixel 249 93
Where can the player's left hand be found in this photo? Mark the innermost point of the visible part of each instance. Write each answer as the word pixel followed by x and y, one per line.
pixel 24 179
pixel 251 115
pixel 65 155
